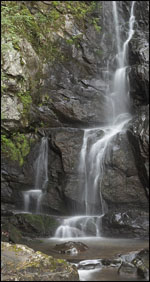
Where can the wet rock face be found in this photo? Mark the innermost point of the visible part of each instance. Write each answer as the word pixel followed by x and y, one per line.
pixel 139 57
pixel 127 169
pixel 64 153
pixel 131 223
pixel 18 227
pixel 76 98
pixel 121 185
pixel 138 136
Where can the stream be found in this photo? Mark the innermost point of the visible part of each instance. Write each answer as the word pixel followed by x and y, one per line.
pixel 98 248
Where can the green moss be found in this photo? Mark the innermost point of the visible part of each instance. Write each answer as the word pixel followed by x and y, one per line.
pixel 75 40
pixel 41 222
pixel 15 234
pixel 95 22
pixel 36 221
pixel 61 261
pixel 16 44
pixel 18 22
pixel 16 248
pixel 17 147
pixel 37 224
pixel 26 100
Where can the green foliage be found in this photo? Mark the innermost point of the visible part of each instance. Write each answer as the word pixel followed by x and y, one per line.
pixel 70 41
pixel 18 22
pixel 26 100
pixel 17 148
pixel 80 9
pixel 74 39
pixel 95 22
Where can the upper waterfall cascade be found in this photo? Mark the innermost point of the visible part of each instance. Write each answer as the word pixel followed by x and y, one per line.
pixel 96 145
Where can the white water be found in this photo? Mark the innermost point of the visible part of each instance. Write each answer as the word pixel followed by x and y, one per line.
pixel 78 226
pixel 97 143
pixel 41 179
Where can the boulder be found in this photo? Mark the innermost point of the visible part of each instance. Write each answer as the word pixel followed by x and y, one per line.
pixel 131 223
pixel 22 263
pixel 21 226
pixel 89 264
pixel 141 261
pixel 135 264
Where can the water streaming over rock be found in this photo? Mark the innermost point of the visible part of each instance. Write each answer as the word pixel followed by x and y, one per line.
pixel 33 197
pixel 97 142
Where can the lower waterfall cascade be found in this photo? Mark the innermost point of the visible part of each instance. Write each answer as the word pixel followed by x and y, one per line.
pixel 93 156
pixel 34 196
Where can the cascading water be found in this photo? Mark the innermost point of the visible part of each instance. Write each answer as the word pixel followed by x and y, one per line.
pixel 97 143
pixel 41 179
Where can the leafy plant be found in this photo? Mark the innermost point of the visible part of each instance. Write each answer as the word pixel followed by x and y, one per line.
pixel 26 100
pixel 17 147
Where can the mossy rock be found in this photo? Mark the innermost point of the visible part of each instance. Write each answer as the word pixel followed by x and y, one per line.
pixel 11 233
pixel 21 263
pixel 35 224
pixel 141 261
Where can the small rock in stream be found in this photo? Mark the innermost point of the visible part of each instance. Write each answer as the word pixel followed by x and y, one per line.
pixel 71 248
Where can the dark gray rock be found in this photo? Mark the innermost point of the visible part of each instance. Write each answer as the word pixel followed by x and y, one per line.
pixel 132 223
pixel 70 247
pixel 141 261
pixel 139 57
pixel 21 226
pixel 138 135
pixel 121 186
pixel 135 264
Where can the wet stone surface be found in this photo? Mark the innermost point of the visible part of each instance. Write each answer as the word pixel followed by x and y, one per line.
pixel 70 247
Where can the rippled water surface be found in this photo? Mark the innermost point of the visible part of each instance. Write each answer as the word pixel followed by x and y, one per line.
pixel 98 248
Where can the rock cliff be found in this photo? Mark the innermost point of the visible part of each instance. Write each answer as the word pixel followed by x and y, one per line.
pixel 54 83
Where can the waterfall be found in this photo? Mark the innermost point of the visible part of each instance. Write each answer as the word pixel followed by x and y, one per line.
pixel 117 28
pixel 96 145
pixel 121 99
pixel 33 197
pixel 41 166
